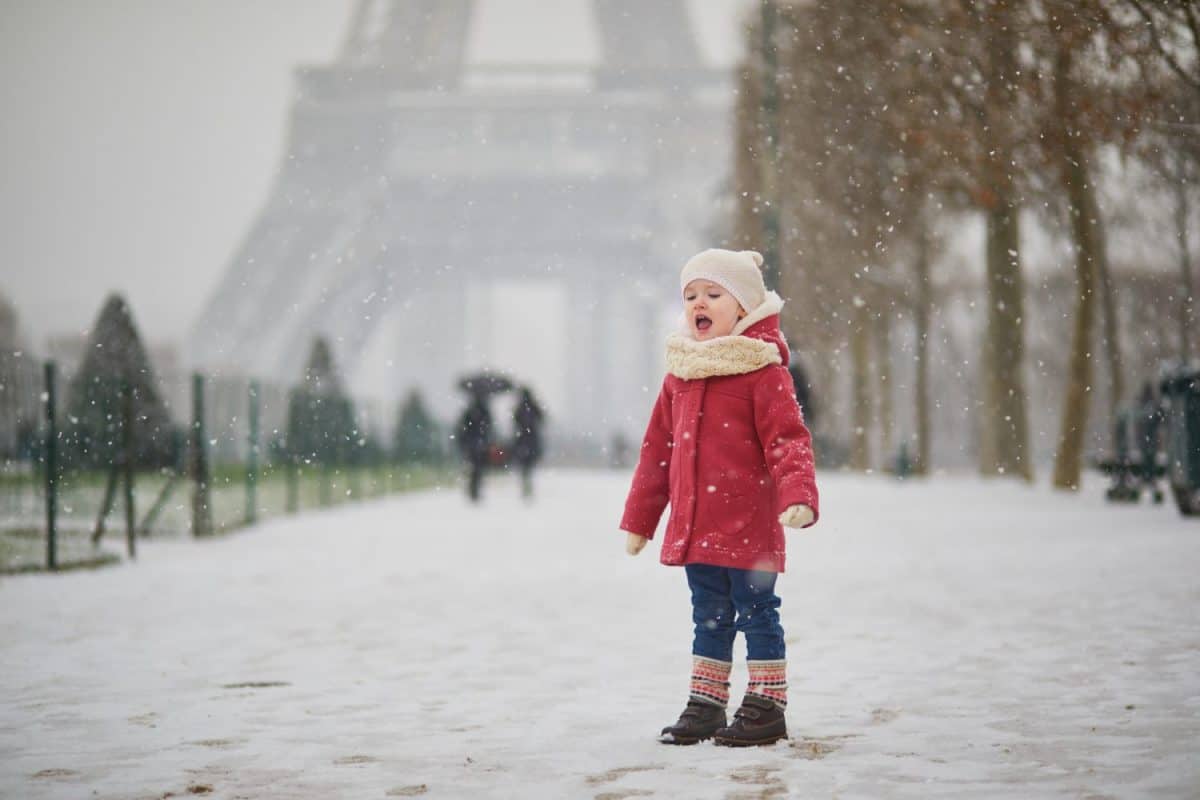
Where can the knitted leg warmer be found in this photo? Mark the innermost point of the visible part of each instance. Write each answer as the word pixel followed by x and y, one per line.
pixel 710 680
pixel 768 679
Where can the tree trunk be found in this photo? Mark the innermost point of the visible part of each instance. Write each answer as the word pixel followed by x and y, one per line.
pixel 1186 307
pixel 1068 459
pixel 1005 423
pixel 1091 273
pixel 985 408
pixel 921 315
pixel 1005 385
pixel 883 367
pixel 796 319
pixel 748 151
pixel 860 353
pixel 1094 224
pixel 768 161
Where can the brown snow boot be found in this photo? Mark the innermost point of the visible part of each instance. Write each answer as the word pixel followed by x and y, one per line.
pixel 758 721
pixel 699 721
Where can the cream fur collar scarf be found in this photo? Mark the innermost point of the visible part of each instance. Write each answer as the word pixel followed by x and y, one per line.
pixel 726 355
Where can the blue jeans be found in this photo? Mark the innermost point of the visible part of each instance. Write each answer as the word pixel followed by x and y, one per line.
pixel 727 600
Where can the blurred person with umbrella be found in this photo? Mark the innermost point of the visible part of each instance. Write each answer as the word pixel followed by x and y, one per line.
pixel 474 430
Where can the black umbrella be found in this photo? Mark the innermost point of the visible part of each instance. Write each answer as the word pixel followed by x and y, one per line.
pixel 485 383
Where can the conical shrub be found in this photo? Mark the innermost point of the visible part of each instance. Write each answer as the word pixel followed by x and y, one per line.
pixel 92 430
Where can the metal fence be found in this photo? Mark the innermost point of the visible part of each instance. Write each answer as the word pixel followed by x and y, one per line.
pixel 232 465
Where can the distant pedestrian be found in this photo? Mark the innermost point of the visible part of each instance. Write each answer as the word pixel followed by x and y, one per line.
pixel 527 440
pixel 803 392
pixel 474 432
pixel 728 449
pixel 619 451
pixel 1148 433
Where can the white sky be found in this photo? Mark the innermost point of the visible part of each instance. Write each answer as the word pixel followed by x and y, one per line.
pixel 141 136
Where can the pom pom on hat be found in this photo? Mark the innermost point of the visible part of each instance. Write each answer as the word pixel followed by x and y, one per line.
pixel 738 272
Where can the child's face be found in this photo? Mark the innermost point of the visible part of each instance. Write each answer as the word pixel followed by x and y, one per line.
pixel 711 310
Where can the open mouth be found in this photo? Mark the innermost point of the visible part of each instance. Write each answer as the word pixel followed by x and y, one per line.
pixel 703 323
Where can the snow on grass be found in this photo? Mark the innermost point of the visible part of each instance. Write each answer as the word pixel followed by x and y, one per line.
pixel 952 638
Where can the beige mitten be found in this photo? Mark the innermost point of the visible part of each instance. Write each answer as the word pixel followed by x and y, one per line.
pixel 634 543
pixel 796 516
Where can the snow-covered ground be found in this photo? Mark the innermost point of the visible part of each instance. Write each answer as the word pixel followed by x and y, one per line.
pixel 947 639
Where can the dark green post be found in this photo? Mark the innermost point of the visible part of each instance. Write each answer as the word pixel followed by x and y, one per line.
pixel 354 475
pixel 51 471
pixel 201 510
pixel 903 462
pixel 127 463
pixel 293 488
pixel 325 493
pixel 252 457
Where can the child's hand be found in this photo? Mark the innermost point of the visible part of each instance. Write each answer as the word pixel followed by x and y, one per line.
pixel 796 516
pixel 634 543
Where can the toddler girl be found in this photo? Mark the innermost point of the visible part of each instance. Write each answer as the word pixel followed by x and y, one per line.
pixel 727 448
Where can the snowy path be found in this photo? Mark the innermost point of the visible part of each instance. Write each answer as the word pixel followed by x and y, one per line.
pixel 953 639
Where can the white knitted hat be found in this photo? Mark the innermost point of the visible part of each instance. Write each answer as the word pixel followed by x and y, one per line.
pixel 739 272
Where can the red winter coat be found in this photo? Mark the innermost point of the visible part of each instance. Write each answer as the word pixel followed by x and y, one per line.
pixel 729 452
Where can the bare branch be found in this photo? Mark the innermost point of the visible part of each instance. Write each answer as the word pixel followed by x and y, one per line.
pixel 1159 45
pixel 1193 19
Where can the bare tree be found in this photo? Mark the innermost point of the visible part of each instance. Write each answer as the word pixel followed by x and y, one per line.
pixel 1173 30
pixel 1170 44
pixel 987 106
pixel 1093 96
pixel 980 121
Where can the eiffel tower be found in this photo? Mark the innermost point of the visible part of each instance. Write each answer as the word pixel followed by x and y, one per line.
pixel 413 180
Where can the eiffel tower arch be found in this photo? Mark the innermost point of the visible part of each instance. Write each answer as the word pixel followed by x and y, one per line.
pixel 419 189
